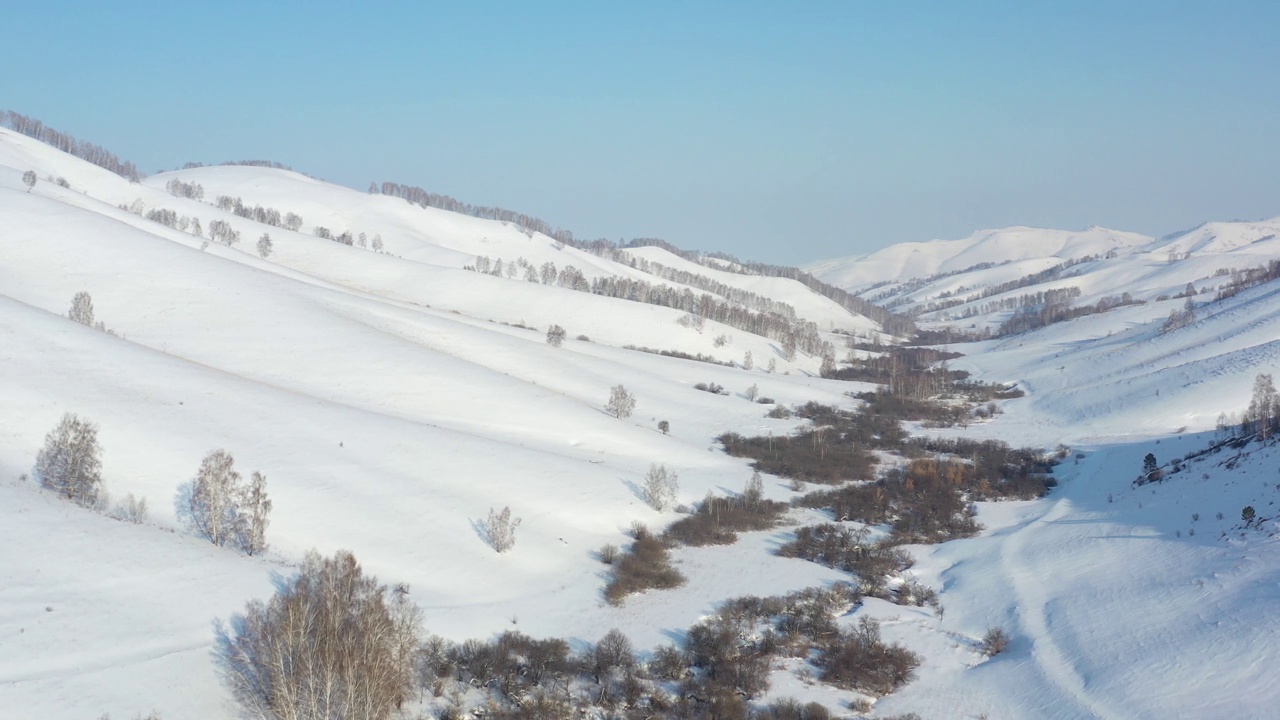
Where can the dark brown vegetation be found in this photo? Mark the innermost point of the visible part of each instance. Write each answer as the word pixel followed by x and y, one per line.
pixel 848 549
pixel 717 520
pixel 645 566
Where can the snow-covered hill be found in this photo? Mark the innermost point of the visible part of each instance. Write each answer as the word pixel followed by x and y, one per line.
pixel 391 399
pixel 914 260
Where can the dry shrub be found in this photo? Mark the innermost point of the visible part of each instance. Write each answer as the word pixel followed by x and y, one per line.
pixel 647 566
pixel 859 660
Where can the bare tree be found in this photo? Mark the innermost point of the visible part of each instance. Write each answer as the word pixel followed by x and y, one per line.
pixel 131 509
pixel 500 529
pixel 753 392
pixel 222 231
pixel 254 515
pixel 747 362
pixel 224 510
pixel 660 487
pixel 621 402
pixel 377 243
pixel 264 245
pixel 753 493
pixel 555 336
pixel 332 644
pixel 29 179
pixel 70 463
pixel 214 499
pixel 1263 405
pixel 81 308
pixel 292 221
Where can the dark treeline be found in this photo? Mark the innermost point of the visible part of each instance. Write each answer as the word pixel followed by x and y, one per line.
pixel 892 323
pixel 792 334
pixel 67 143
pixel 752 300
pixel 1055 312
pixel 1242 279
pixel 418 196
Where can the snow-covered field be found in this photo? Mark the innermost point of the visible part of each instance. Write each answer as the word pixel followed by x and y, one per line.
pixel 393 398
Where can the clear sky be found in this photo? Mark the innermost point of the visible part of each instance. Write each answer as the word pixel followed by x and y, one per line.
pixel 778 131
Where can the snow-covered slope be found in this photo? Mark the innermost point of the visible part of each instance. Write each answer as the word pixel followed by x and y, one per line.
pixel 382 395
pixel 1096 266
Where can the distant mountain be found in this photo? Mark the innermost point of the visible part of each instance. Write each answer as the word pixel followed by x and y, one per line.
pixel 913 260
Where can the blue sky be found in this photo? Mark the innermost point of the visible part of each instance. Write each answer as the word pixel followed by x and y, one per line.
pixel 783 132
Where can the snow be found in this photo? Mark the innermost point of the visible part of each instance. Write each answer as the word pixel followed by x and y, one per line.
pixel 391 400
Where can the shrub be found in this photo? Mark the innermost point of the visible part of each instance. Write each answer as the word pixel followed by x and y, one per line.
pixel 608 553
pixel 647 566
pixel 788 709
pixel 839 547
pixel 858 659
pixel 621 403
pixel 131 509
pixel 711 388
pixel 70 464
pixel 778 412
pixel 500 529
pixel 995 641
pixel 332 643
pixel 717 520
pixel 555 336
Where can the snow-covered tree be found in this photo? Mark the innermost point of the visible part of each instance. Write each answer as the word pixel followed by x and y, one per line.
pixel 29 179
pixel 225 511
pixel 70 462
pixel 255 514
pixel 500 529
pixel 621 402
pixel 214 502
pixel 81 308
pixel 264 245
pixel 1264 406
pixel 660 487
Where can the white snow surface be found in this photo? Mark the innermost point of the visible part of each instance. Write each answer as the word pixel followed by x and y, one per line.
pixel 390 408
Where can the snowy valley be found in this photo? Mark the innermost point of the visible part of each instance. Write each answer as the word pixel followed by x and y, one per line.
pixel 395 372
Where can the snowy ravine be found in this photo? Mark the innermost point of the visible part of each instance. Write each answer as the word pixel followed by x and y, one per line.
pixel 392 398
